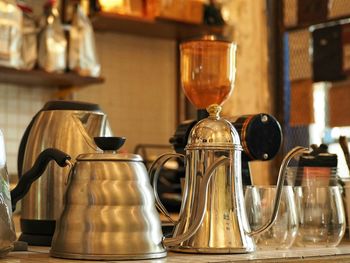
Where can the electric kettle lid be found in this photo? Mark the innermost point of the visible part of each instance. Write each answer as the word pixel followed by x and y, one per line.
pixel 109 147
pixel 71 105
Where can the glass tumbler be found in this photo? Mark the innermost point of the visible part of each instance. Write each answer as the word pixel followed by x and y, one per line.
pixel 259 206
pixel 321 216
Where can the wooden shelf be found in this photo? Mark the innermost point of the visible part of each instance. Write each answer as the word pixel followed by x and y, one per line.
pixel 41 78
pixel 158 28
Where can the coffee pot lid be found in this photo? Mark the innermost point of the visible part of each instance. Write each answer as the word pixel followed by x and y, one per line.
pixel 213 132
pixel 109 146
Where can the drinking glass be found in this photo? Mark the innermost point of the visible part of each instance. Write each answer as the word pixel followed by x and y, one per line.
pixel 321 216
pixel 259 206
pixel 312 176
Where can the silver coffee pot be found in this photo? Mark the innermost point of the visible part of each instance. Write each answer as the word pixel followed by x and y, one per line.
pixel 109 209
pixel 213 191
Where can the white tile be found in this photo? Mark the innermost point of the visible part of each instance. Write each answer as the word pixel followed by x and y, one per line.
pixel 12 133
pixel 2 118
pixel 12 91
pixel 11 146
pixel 12 164
pixel 12 104
pixel 12 119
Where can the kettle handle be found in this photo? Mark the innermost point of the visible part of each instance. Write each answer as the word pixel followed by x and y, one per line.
pixel 154 171
pixel 23 144
pixel 26 180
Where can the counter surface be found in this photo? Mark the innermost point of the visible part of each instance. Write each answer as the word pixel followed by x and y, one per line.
pixel 338 254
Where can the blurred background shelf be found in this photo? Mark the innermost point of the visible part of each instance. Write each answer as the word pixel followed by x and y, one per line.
pixel 158 28
pixel 302 26
pixel 41 78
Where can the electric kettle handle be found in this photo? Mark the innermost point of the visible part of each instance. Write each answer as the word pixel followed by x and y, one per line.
pixel 23 144
pixel 154 176
pixel 26 180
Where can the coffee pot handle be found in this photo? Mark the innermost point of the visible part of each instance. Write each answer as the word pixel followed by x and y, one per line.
pixel 202 202
pixel 280 182
pixel 154 171
pixel 26 180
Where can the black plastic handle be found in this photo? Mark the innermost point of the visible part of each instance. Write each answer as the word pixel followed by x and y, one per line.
pixel 36 171
pixel 23 144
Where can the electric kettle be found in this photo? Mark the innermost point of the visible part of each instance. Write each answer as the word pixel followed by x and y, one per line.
pixel 109 209
pixel 70 127
pixel 9 199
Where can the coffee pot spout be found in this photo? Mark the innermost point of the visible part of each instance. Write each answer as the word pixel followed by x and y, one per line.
pixel 281 178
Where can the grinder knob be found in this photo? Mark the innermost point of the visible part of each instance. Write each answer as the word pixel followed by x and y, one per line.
pixel 261 136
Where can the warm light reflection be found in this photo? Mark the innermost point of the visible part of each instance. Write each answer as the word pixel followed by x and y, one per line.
pixel 112 5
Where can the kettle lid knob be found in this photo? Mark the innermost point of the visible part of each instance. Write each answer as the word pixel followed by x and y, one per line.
pixel 109 143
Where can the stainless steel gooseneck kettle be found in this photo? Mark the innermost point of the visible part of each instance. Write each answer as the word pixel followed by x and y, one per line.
pixel 216 199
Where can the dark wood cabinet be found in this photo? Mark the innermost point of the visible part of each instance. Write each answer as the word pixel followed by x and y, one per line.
pixel 40 78
pixel 158 28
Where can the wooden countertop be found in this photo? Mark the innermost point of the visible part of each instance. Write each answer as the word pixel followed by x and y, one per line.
pixel 338 254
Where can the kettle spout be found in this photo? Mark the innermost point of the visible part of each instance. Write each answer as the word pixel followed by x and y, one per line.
pixel 281 177
pixel 198 220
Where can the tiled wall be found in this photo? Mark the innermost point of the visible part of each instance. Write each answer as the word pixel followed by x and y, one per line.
pixel 139 94
pixel 17 107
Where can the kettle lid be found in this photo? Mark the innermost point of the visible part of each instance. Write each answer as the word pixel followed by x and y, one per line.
pixel 103 156
pixel 109 146
pixel 70 105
